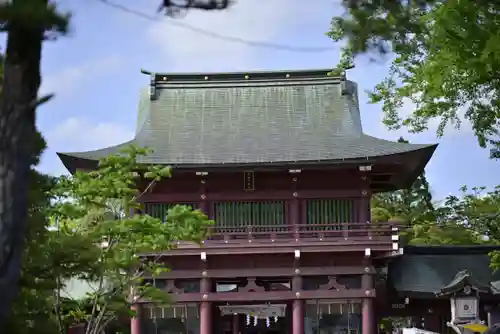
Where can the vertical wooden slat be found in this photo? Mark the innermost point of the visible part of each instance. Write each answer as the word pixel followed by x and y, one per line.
pixel 160 210
pixel 243 214
pixel 336 212
pixel 227 214
pixel 264 213
pixel 256 214
pixel 280 214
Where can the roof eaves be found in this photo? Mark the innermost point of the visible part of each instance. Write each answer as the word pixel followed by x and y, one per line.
pixel 427 152
pixel 73 160
pixel 462 279
pixel 450 249
pixel 495 287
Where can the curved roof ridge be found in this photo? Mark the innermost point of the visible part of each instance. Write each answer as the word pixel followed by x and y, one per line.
pixel 414 146
pixel 70 159
pixel 248 76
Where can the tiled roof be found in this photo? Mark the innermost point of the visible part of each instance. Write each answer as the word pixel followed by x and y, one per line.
pixel 464 278
pixel 431 273
pixel 269 117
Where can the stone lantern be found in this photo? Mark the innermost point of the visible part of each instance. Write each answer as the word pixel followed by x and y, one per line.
pixel 464 292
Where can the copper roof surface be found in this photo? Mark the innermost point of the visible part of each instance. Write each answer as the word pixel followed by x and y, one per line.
pixel 250 119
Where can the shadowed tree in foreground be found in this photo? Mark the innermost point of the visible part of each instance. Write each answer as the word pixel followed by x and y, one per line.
pixel 32 308
pixel 27 24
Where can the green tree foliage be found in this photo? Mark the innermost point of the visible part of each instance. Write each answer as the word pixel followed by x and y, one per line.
pixel 447 61
pixel 442 233
pixel 470 218
pixel 94 209
pixel 477 210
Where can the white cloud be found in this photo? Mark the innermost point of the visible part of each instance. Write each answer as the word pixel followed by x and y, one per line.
pixel 67 79
pixel 80 134
pixel 249 20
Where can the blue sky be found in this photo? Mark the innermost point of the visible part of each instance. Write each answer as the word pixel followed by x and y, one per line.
pixel 95 73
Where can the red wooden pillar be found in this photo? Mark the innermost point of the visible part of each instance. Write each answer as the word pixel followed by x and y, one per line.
pixel 205 307
pixel 135 321
pixel 294 205
pixel 203 203
pixel 367 310
pixel 368 323
pixel 298 316
pixel 364 200
pixel 298 304
pixel 236 323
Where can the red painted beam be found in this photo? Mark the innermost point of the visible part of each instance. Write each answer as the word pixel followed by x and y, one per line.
pixel 265 272
pixel 290 247
pixel 350 294
pixel 249 196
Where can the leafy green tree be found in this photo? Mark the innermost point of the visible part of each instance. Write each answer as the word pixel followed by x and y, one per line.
pixel 95 210
pixel 447 61
pixel 422 231
pixel 432 233
pixel 477 210
pixel 470 218
pixel 27 24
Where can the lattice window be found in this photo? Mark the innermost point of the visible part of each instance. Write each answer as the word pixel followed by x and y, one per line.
pixel 329 214
pixel 160 210
pixel 255 214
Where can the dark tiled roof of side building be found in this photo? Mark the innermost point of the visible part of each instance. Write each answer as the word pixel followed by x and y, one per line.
pixel 429 269
pixel 255 118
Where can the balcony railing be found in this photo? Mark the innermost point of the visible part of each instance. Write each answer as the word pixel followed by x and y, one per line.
pixel 336 237
pixel 362 232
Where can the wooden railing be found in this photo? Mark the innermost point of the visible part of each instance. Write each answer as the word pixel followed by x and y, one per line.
pixel 383 232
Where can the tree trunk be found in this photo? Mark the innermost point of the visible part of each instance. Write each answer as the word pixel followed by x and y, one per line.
pixel 17 133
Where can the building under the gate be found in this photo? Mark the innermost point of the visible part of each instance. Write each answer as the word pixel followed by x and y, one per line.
pixel 280 162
